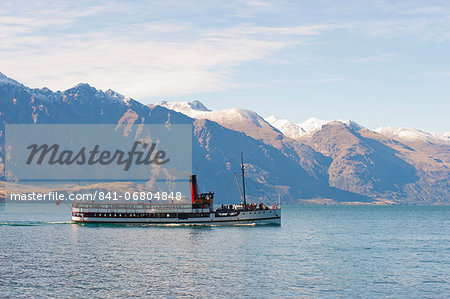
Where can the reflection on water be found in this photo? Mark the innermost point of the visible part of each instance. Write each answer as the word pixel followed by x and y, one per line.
pixel 318 251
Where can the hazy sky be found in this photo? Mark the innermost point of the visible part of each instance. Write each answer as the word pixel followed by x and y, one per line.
pixel 376 62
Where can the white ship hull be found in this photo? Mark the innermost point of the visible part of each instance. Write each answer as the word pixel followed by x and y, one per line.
pixel 97 213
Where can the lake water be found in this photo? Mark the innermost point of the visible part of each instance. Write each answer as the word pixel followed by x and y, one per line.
pixel 318 251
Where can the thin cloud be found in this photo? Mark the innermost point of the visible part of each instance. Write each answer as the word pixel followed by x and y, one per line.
pixel 143 59
pixel 425 10
pixel 375 58
pixel 306 30
pixel 426 29
pixel 321 80
pixel 437 73
pixel 135 67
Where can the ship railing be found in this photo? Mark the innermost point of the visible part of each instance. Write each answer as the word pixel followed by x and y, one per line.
pixel 129 206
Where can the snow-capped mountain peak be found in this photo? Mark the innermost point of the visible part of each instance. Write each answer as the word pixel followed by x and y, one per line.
pixel 114 94
pixel 188 108
pixel 312 124
pixel 197 110
pixel 410 134
pixel 233 118
pixel 197 105
pixel 286 127
pixel 82 89
pixel 6 80
pixel 83 86
pixel 309 126
pixel 296 130
pixel 353 125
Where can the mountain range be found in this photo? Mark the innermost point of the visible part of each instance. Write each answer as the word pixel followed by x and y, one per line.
pixel 314 162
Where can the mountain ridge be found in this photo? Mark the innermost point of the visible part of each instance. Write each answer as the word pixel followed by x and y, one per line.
pixel 313 124
pixel 340 162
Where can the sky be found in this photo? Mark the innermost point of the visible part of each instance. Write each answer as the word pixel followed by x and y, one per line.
pixel 379 63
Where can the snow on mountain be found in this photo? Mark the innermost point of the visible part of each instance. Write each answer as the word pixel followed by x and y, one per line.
pixel 242 120
pixel 410 134
pixel 187 108
pixel 5 80
pixel 353 125
pixel 312 124
pixel 309 126
pixel 296 131
pixel 286 127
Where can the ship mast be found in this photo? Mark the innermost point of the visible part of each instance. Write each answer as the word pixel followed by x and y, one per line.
pixel 243 179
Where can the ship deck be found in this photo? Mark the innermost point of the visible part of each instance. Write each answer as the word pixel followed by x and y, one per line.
pixel 168 214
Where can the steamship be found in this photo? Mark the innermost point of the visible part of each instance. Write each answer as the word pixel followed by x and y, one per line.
pixel 200 211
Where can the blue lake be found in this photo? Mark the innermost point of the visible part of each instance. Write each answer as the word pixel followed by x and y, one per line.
pixel 318 251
